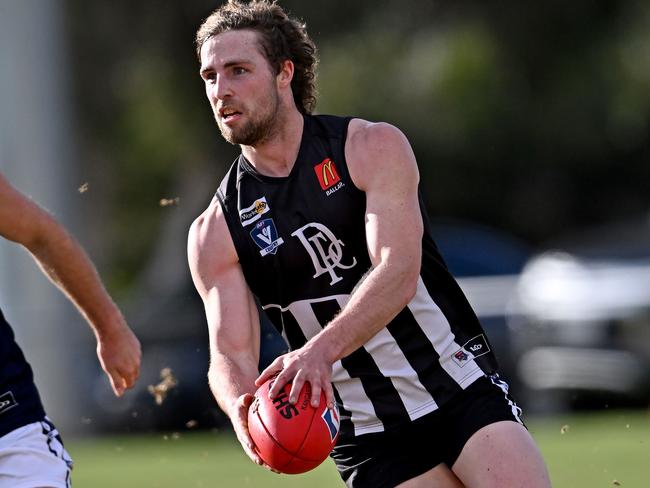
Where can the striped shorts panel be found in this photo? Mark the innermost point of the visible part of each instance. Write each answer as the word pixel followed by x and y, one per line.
pixel 33 455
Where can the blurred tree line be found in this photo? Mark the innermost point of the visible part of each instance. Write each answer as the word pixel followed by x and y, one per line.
pixel 530 117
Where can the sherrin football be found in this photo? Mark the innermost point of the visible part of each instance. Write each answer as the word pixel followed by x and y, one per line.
pixel 290 438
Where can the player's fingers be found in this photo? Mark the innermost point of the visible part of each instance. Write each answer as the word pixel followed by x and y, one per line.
pixel 250 452
pixel 126 376
pixel 117 383
pixel 133 372
pixel 278 383
pixel 130 380
pixel 249 448
pixel 271 469
pixel 241 429
pixel 315 394
pixel 329 395
pixel 247 400
pixel 296 388
pixel 269 371
pixel 280 379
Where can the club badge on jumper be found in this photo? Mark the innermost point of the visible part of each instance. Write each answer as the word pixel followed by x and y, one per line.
pixel 266 237
pixel 328 176
pixel 475 347
pixel 324 249
pixel 253 213
pixel 7 401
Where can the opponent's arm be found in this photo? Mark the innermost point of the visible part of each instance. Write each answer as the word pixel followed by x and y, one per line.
pixel 66 264
pixel 233 320
pixel 381 164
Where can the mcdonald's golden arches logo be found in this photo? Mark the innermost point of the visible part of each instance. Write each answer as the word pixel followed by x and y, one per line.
pixel 327 174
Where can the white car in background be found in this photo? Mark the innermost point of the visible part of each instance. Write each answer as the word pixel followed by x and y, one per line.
pixel 580 326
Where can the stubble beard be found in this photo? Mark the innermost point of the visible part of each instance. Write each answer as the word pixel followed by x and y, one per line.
pixel 256 130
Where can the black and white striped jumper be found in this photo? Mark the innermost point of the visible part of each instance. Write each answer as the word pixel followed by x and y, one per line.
pixel 301 243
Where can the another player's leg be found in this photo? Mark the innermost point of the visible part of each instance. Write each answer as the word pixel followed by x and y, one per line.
pixel 502 454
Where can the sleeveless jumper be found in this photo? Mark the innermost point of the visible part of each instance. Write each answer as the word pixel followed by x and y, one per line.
pixel 301 244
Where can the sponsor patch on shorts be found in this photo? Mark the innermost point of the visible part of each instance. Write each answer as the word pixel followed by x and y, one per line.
pixel 7 401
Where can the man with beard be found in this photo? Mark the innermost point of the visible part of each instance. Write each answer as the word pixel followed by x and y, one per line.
pixel 31 450
pixel 319 221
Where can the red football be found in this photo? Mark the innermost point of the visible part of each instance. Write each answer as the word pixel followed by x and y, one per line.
pixel 292 438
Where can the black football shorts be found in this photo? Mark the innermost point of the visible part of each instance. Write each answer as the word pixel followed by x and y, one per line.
pixel 386 459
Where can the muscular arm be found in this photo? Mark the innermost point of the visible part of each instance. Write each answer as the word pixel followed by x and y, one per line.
pixel 381 164
pixel 233 321
pixel 66 264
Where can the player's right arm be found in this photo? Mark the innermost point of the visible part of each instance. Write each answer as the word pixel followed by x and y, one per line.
pixel 67 265
pixel 233 320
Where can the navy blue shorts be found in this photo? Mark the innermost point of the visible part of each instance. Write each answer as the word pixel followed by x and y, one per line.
pixel 386 459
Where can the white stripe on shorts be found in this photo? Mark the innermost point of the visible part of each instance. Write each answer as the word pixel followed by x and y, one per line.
pixel 504 387
pixel 33 455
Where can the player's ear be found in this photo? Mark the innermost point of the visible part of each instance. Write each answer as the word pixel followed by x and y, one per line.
pixel 285 74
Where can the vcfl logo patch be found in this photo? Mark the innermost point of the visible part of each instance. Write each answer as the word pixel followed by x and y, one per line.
pixel 265 235
pixel 327 174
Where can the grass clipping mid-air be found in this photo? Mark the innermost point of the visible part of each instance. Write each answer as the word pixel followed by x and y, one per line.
pixel 159 391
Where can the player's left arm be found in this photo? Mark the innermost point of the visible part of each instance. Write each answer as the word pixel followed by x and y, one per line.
pixel 66 264
pixel 382 164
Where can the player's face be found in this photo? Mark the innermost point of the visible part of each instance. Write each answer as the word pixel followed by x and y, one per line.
pixel 241 87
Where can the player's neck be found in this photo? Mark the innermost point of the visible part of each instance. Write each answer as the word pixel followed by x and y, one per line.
pixel 276 155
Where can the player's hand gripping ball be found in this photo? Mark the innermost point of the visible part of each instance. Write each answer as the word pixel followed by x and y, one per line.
pixel 290 438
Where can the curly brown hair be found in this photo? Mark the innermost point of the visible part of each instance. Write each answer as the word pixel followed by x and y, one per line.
pixel 281 37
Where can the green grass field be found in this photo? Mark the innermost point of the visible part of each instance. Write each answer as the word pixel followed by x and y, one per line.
pixel 582 451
